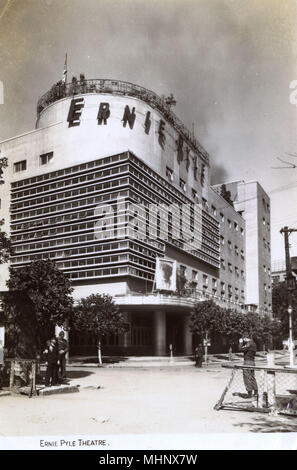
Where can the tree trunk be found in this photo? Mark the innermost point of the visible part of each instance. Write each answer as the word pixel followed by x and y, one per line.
pixel 99 353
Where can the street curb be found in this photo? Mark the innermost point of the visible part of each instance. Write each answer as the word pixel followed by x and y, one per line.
pixel 58 390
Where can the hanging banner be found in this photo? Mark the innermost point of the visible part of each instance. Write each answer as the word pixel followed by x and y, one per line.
pixel 165 277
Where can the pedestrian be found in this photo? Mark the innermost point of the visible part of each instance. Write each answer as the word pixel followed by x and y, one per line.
pixel 198 355
pixel 52 361
pixel 249 349
pixel 63 349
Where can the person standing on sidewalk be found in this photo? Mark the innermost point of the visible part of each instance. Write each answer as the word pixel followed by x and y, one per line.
pixel 52 361
pixel 198 355
pixel 63 349
pixel 249 349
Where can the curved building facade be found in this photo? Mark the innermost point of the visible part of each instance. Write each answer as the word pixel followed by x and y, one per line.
pixel 108 184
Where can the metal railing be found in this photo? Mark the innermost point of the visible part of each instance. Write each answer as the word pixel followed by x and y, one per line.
pixel 189 296
pixel 118 87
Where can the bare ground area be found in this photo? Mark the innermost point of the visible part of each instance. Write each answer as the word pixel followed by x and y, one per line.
pixel 130 401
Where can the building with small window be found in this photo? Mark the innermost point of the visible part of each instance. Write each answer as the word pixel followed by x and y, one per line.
pixel 110 182
pixel 251 201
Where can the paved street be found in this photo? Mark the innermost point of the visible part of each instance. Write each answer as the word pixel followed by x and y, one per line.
pixel 135 401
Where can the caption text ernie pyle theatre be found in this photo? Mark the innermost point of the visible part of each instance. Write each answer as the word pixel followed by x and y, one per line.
pixel 73 443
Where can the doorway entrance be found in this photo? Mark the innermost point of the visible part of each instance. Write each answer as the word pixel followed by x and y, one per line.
pixel 174 334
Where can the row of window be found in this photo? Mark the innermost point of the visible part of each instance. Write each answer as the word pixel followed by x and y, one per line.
pixel 88 250
pixel 75 216
pixel 82 203
pixel 73 181
pixel 111 272
pixel 107 260
pixel 230 269
pixel 71 194
pixel 68 171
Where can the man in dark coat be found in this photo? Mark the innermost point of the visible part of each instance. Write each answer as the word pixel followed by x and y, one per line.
pixel 199 355
pixel 249 349
pixel 63 349
pixel 52 360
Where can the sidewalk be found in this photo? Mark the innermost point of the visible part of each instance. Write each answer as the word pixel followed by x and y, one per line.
pixel 166 361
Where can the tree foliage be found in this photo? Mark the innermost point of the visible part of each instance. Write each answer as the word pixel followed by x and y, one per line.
pixel 5 245
pixel 49 290
pixel 99 314
pixel 207 317
pixel 21 329
pixel 280 308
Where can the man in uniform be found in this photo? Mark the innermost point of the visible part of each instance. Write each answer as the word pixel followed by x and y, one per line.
pixel 63 349
pixel 249 349
pixel 52 361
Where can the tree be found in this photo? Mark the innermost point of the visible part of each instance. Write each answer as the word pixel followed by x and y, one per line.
pixel 226 195
pixel 98 314
pixel 280 308
pixel 207 318
pixel 49 289
pixel 5 245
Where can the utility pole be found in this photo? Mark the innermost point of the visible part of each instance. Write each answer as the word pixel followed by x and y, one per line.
pixel 290 287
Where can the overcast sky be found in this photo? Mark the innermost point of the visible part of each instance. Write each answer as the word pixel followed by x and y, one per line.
pixel 229 64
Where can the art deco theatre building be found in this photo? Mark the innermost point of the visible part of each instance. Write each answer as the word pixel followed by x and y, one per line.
pixel 90 188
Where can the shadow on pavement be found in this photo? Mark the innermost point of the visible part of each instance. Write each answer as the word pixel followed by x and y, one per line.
pixel 78 374
pixel 105 360
pixel 280 424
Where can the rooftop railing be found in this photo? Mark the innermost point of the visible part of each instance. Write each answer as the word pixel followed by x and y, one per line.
pixel 118 87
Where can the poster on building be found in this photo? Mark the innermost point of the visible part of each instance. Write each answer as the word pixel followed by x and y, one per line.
pixel 165 277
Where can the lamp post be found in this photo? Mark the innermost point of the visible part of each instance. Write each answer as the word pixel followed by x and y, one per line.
pixel 290 310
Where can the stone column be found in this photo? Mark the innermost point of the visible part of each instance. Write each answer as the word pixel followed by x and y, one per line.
pixel 188 338
pixel 159 333
pixel 125 338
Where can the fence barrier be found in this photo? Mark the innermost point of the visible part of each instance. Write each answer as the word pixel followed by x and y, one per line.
pixel 277 390
pixel 22 375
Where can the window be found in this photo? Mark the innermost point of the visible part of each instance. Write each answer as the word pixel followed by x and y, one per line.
pixel 222 240
pixel 20 166
pixel 230 267
pixel 222 216
pixel 229 244
pixel 46 158
pixel 205 279
pixel 235 226
pixel 169 173
pixel 214 211
pixel 194 275
pixel 229 223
